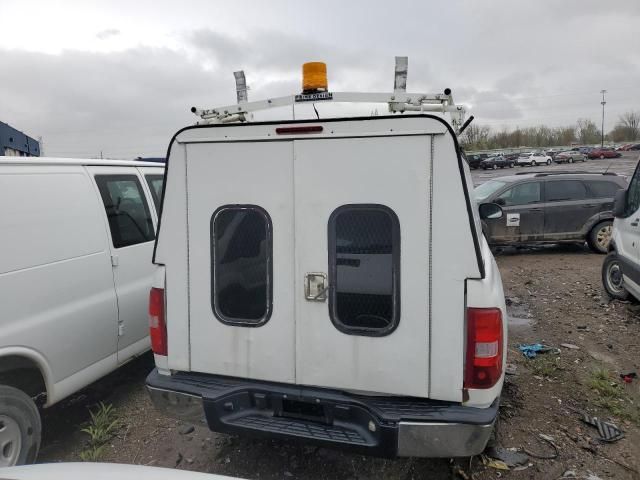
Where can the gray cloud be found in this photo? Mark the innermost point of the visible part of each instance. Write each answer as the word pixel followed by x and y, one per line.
pixel 108 33
pixel 516 63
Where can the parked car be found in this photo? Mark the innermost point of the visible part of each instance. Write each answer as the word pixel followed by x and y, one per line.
pixel 314 340
pixel 77 237
pixel 570 157
pixel 495 162
pixel 533 159
pixel 634 147
pixel 621 266
pixel 560 207
pixel 604 153
pixel 475 159
pixel 512 156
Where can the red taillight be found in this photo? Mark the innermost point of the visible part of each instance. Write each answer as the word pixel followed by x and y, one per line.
pixel 484 347
pixel 157 325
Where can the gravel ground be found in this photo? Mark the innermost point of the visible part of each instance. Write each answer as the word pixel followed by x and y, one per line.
pixel 554 297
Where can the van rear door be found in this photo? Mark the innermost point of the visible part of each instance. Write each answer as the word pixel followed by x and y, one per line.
pixel 362 231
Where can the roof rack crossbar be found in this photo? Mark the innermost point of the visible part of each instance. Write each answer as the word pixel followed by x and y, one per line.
pixel 565 172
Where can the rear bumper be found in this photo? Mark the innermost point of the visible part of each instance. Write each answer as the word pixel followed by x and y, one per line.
pixel 384 426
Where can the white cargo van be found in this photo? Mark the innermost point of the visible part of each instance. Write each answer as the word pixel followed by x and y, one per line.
pixel 75 272
pixel 328 280
pixel 621 266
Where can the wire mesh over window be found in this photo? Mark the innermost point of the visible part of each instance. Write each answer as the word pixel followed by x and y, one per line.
pixel 241 255
pixel 364 269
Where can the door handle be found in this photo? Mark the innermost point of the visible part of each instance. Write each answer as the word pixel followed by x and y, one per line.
pixel 589 206
pixel 535 209
pixel 315 287
pixel 635 222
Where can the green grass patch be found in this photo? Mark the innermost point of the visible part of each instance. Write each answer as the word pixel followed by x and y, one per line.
pixel 103 425
pixel 545 365
pixel 612 396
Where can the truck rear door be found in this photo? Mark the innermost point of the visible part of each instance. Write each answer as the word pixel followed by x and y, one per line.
pixel 362 241
pixel 241 259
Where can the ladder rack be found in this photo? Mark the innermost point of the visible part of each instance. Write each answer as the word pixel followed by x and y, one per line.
pixel 398 102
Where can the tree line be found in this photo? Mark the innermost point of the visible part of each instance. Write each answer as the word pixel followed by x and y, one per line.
pixel 585 131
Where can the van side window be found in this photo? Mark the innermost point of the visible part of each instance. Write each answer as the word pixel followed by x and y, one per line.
pixel 522 194
pixel 364 269
pixel 565 190
pixel 155 183
pixel 633 194
pixel 241 254
pixel 127 210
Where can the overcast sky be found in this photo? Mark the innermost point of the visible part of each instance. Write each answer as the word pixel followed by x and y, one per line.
pixel 119 76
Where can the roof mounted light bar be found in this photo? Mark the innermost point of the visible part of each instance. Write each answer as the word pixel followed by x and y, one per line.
pixel 399 101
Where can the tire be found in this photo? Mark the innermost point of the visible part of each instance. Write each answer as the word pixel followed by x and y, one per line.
pixel 548 162
pixel 511 165
pixel 20 428
pixel 494 167
pixel 570 160
pixel 612 277
pixel 533 163
pixel 601 157
pixel 600 236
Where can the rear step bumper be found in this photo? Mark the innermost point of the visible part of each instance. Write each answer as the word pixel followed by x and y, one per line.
pixel 384 426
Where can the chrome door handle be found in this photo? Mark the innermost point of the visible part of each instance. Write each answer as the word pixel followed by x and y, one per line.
pixel 315 286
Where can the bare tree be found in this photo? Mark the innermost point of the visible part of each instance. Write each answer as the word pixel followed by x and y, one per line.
pixel 629 125
pixel 587 131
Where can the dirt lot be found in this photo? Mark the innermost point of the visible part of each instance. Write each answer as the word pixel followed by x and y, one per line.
pixel 554 297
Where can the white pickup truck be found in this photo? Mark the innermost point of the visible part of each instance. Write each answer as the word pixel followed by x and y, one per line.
pixel 328 281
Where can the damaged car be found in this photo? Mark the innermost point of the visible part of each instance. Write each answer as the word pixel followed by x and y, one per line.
pixel 553 207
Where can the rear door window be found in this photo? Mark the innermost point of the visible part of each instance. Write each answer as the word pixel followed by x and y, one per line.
pixel 127 210
pixel 565 190
pixel 241 249
pixel 521 194
pixel 364 269
pixel 602 189
pixel 155 183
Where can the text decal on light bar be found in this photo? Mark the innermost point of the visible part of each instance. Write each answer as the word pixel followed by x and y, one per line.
pixel 314 97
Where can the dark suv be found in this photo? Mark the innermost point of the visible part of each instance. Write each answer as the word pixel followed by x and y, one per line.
pixel 554 207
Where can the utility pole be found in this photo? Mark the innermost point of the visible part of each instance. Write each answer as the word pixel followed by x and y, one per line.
pixel 603 103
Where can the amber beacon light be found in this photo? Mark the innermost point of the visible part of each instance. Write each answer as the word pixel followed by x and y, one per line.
pixel 314 77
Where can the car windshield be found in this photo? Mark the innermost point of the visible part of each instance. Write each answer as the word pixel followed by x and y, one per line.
pixel 486 189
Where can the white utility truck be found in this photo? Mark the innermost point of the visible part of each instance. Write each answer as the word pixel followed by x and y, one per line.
pixel 327 280
pixel 75 272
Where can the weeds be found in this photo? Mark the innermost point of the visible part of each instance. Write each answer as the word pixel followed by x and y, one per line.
pixel 545 365
pixel 611 395
pixel 101 428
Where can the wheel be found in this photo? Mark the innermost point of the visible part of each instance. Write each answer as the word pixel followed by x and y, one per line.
pixel 612 280
pixel 601 157
pixel 511 165
pixel 20 428
pixel 570 160
pixel 495 167
pixel 600 236
pixel 548 162
pixel 533 163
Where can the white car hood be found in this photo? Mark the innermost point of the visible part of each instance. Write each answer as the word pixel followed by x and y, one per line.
pixel 101 471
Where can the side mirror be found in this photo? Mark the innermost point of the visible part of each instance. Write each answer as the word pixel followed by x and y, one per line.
pixel 490 211
pixel 619 202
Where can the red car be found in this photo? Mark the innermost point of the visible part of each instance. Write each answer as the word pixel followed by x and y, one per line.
pixel 604 153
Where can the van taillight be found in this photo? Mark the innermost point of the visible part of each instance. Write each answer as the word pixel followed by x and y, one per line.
pixel 484 347
pixel 157 325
